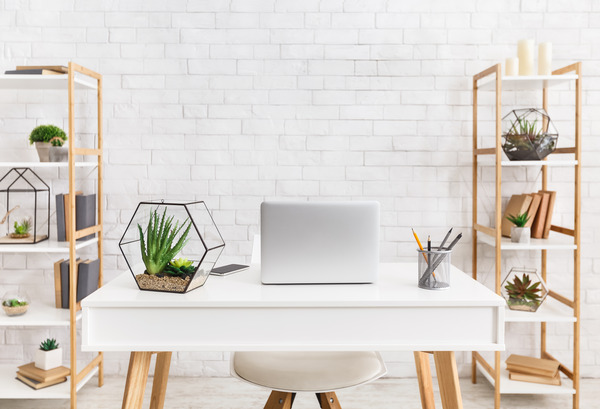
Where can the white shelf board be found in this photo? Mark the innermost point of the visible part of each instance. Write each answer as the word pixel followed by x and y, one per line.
pixel 39 314
pixel 527 388
pixel 556 241
pixel 40 82
pixel 524 83
pixel 11 388
pixel 48 246
pixel 46 164
pixel 550 311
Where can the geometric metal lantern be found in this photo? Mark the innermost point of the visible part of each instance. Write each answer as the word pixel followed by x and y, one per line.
pixel 528 134
pixel 26 218
pixel 523 289
pixel 171 247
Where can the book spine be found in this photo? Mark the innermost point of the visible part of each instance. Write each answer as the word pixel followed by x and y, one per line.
pixel 64 283
pixel 60 218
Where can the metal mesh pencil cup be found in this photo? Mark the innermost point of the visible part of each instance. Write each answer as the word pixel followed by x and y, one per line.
pixel 434 268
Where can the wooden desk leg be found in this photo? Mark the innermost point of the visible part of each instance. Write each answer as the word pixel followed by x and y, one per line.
pixel 445 366
pixel 159 384
pixel 424 378
pixel 137 376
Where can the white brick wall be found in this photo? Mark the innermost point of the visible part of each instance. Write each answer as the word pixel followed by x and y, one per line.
pixel 239 101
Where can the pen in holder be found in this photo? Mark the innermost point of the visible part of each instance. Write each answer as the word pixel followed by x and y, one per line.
pixel 434 268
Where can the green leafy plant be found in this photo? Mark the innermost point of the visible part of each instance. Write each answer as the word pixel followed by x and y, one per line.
pixel 157 247
pixel 180 267
pixel 523 290
pixel 48 133
pixel 13 302
pixel 519 220
pixel 49 344
pixel 23 227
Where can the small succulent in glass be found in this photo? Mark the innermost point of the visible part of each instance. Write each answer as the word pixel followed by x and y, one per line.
pixel 519 233
pixel 21 229
pixel 528 134
pixel 524 290
pixel 15 304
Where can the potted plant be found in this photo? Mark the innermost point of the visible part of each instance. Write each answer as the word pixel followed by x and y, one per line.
pixel 524 290
pixel 15 304
pixel 49 355
pixel 528 134
pixel 519 233
pixel 21 229
pixel 171 247
pixel 42 136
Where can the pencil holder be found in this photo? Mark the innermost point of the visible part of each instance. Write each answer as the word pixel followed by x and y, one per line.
pixel 434 268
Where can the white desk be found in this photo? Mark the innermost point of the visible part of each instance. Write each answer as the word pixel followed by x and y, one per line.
pixel 236 313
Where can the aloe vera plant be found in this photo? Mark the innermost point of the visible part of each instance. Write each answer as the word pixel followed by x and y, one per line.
pixel 520 220
pixel 157 247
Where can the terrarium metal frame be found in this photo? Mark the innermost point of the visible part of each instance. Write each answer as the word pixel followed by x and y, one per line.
pixel 523 139
pixel 21 176
pixel 193 224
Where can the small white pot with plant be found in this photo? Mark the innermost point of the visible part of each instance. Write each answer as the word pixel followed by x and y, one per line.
pixel 49 355
pixel 519 233
pixel 49 140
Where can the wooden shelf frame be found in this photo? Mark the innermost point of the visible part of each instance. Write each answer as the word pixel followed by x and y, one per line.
pixel 492 79
pixel 77 77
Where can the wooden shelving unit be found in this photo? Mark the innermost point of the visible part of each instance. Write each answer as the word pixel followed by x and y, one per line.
pixel 44 313
pixel 557 308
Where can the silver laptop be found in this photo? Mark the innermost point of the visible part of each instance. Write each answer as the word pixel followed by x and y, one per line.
pixel 319 242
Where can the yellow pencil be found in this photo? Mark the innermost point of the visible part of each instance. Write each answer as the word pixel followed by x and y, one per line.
pixel 419 243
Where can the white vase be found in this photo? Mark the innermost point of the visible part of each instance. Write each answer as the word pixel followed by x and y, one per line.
pixel 59 153
pixel 520 234
pixel 48 359
pixel 43 151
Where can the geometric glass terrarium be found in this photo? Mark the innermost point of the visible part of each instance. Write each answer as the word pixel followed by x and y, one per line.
pixel 523 289
pixel 171 247
pixel 24 207
pixel 528 134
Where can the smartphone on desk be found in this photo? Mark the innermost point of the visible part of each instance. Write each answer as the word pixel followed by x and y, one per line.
pixel 228 269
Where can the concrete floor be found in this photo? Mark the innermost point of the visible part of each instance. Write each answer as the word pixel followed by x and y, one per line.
pixel 229 393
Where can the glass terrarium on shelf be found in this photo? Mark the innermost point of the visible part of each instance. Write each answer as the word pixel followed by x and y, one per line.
pixel 528 134
pixel 523 289
pixel 15 303
pixel 24 207
pixel 171 247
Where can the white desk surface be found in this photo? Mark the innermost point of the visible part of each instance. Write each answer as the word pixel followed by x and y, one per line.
pixel 237 312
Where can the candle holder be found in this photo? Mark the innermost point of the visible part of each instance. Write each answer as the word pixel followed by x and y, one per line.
pixel 528 134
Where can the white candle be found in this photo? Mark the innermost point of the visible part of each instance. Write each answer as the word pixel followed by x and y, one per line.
pixel 545 59
pixel 511 67
pixel 525 53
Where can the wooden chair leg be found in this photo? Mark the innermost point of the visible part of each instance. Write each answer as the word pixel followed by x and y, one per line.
pixel 280 400
pixel 137 376
pixel 445 366
pixel 424 379
pixel 328 400
pixel 159 384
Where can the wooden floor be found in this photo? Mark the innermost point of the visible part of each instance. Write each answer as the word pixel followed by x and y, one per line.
pixel 228 393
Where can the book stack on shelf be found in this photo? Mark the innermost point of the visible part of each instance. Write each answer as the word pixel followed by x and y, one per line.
pixel 38 378
pixel 88 273
pixel 38 70
pixel 539 207
pixel 534 370
pixel 85 215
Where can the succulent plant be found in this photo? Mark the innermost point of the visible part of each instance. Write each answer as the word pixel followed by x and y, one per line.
pixel 47 133
pixel 180 267
pixel 49 344
pixel 14 302
pixel 519 220
pixel 158 248
pixel 523 289
pixel 23 227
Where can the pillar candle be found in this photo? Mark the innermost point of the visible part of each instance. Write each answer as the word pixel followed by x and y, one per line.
pixel 525 53
pixel 545 59
pixel 511 67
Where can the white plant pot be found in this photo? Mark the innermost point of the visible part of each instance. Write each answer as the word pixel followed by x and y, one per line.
pixel 59 153
pixel 48 359
pixel 520 235
pixel 43 151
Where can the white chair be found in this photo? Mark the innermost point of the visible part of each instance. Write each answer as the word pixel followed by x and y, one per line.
pixel 322 373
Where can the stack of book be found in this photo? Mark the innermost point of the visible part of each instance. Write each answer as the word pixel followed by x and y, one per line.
pixel 539 207
pixel 535 370
pixel 85 215
pixel 37 378
pixel 88 274
pixel 39 70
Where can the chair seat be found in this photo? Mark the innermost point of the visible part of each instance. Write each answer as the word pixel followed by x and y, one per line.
pixel 308 371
